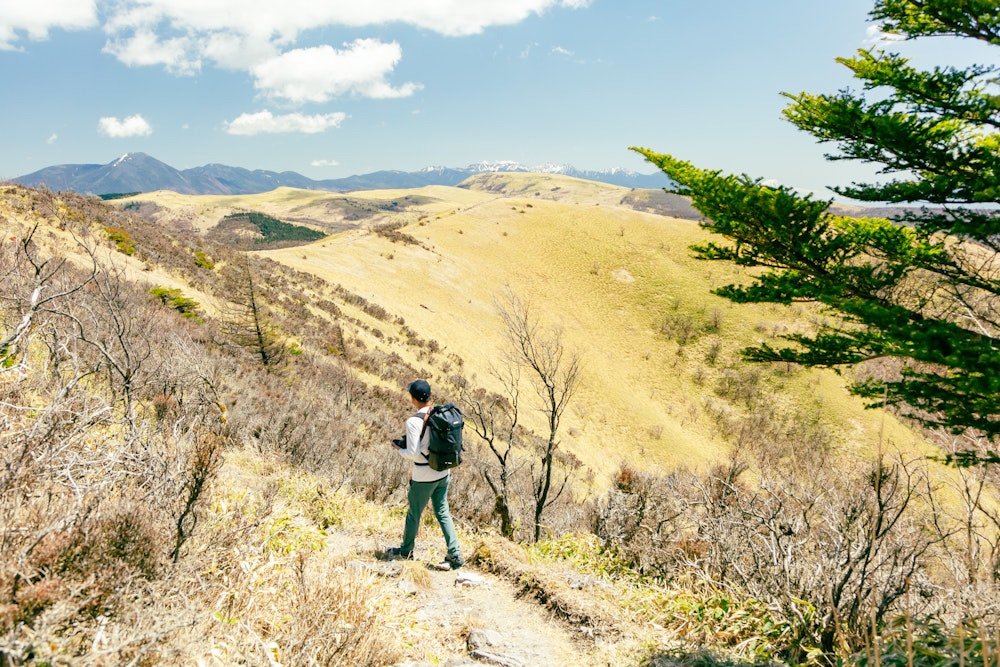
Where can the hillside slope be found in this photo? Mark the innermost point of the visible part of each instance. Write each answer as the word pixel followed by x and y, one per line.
pixel 658 349
pixel 197 468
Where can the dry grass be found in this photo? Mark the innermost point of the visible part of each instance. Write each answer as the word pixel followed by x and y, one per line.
pixel 583 612
pixel 606 275
pixel 279 568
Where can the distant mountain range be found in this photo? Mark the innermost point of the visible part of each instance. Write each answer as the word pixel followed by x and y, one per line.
pixel 138 172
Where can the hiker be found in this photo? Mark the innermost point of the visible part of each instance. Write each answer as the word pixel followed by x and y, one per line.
pixel 425 483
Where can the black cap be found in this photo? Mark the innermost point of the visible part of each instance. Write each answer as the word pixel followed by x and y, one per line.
pixel 420 390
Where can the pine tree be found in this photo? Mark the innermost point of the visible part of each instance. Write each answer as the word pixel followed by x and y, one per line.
pixel 922 289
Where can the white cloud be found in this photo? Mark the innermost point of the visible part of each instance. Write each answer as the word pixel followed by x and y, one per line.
pixel 238 52
pixel 260 37
pixel 132 126
pixel 264 122
pixel 145 47
pixel 283 21
pixel 874 36
pixel 321 73
pixel 38 17
pixel 558 50
pixel 53 138
pixel 324 163
pixel 801 192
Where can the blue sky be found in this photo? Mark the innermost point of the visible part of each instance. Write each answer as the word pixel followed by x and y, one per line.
pixel 339 87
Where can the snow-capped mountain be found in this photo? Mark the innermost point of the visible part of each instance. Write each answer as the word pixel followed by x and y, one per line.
pixel 138 172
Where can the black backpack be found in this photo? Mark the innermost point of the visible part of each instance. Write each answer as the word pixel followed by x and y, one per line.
pixel 444 422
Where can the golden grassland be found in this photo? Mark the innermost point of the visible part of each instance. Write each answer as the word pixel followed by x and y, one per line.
pixel 605 275
pixel 610 279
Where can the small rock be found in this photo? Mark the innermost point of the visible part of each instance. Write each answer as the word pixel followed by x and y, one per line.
pixel 495 659
pixel 580 582
pixel 479 639
pixel 469 579
pixel 407 587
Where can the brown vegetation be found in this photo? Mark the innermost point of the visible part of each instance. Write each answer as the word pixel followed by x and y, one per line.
pixel 125 537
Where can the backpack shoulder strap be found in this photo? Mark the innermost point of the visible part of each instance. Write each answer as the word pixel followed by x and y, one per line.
pixel 427 415
pixel 423 429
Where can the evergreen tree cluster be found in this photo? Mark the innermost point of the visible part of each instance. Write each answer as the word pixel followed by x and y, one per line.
pixel 274 230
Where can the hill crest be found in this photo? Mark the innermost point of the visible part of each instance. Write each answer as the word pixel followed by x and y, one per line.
pixel 615 278
pixel 139 172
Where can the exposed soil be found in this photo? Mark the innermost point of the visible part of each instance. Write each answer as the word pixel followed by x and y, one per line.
pixel 445 608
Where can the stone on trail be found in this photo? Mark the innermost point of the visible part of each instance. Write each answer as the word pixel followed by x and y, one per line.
pixel 469 579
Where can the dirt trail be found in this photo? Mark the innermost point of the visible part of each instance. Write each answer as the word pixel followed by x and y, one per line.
pixel 445 608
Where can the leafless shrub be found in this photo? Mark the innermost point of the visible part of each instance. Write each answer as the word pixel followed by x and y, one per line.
pixel 85 492
pixel 827 550
pixel 715 319
pixel 712 355
pixel 742 385
pixel 642 519
pixel 848 544
pixel 680 327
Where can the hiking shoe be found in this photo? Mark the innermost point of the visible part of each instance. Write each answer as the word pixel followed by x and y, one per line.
pixel 395 553
pixel 450 563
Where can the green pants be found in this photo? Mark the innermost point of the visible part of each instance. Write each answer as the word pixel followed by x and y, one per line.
pixel 437 493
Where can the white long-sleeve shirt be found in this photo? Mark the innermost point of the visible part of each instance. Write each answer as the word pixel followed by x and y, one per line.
pixel 417 447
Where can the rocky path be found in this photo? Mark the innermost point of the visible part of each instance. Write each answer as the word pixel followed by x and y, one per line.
pixel 463 617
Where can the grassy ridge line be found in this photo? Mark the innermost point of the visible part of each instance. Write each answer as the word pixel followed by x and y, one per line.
pixel 448 295
pixel 606 274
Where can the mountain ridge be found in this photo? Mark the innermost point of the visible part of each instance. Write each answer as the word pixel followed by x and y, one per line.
pixel 139 172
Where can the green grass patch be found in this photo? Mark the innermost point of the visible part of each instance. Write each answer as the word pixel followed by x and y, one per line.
pixel 203 260
pixel 122 239
pixel 287 535
pixel 174 298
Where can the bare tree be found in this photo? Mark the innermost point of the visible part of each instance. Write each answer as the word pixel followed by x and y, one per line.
pixel 554 373
pixel 116 320
pixel 31 284
pixel 494 417
pixel 248 321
